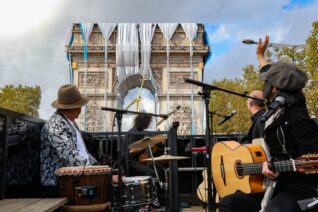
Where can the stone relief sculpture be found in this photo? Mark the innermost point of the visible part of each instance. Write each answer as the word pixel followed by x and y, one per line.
pixel 183 116
pixel 93 79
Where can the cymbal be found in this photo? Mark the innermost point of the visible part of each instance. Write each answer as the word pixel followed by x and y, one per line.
pixel 166 158
pixel 143 143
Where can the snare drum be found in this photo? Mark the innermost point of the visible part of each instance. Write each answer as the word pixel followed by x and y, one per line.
pixel 85 185
pixel 136 191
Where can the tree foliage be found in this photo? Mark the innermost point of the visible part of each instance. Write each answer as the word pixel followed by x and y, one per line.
pixel 223 103
pixel 23 99
pixel 311 66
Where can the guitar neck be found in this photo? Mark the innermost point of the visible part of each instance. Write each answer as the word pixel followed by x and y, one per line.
pixel 256 168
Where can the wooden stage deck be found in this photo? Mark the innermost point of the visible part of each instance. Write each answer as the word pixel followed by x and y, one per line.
pixel 31 204
pixel 51 204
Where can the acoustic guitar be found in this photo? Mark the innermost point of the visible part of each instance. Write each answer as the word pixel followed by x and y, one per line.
pixel 202 190
pixel 146 153
pixel 239 167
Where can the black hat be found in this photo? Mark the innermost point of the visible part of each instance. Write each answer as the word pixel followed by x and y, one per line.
pixel 284 76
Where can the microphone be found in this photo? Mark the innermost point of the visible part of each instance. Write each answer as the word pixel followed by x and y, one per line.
pixel 169 114
pixel 272 108
pixel 227 117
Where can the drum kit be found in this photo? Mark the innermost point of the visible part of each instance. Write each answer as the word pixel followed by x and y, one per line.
pixel 92 184
pixel 163 160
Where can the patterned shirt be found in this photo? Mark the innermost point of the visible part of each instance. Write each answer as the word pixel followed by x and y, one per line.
pixel 58 148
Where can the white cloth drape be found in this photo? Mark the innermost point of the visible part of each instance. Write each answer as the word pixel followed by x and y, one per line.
pixel 191 31
pixel 86 30
pixel 167 30
pixel 106 30
pixel 127 54
pixel 146 32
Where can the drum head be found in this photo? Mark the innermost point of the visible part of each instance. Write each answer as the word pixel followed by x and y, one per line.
pixel 137 178
pixel 83 170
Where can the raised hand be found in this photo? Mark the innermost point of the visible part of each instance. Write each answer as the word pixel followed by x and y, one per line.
pixel 260 50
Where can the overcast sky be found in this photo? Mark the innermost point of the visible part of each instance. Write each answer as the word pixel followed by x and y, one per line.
pixel 33 33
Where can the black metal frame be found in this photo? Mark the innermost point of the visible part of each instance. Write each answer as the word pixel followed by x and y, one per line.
pixel 8 115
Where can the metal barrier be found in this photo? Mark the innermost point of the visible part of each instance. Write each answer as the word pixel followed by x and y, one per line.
pixel 19 133
pixel 20 149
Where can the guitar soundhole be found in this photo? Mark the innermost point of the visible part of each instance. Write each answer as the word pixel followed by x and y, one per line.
pixel 239 169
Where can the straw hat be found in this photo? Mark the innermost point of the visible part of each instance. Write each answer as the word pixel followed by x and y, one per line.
pixel 69 97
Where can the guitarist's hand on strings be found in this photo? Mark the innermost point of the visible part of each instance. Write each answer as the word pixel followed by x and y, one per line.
pixel 268 173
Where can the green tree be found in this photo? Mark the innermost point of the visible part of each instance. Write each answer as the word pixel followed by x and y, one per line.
pixel 311 66
pixel 223 103
pixel 23 99
pixel 250 80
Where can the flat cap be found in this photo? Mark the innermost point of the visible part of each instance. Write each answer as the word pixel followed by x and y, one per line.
pixel 284 76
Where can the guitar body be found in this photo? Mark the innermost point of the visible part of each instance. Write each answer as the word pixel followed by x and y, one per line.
pixel 202 190
pixel 146 154
pixel 226 159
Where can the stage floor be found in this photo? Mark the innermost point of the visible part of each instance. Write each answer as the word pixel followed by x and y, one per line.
pixel 193 209
pixel 190 209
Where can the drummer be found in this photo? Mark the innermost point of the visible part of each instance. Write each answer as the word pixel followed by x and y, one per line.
pixel 62 144
pixel 131 157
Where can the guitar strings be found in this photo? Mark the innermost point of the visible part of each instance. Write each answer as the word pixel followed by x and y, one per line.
pixel 281 165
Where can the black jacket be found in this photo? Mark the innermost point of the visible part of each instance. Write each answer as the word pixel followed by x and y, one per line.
pixel 300 133
pixel 257 128
pixel 130 138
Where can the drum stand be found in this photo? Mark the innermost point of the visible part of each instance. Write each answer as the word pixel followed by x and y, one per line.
pixel 166 183
pixel 166 187
pixel 154 163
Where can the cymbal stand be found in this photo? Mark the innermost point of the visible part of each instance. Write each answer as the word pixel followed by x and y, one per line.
pixel 166 187
pixel 166 149
pixel 154 163
pixel 166 183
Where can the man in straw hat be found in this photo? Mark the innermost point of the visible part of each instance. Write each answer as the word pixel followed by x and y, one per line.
pixel 62 144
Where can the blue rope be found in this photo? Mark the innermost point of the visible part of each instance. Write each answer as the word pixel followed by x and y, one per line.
pixel 85 59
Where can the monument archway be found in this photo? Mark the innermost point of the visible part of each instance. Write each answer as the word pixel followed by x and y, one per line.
pixel 106 75
pixel 131 82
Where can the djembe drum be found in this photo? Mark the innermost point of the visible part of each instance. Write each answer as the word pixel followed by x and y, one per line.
pixel 85 185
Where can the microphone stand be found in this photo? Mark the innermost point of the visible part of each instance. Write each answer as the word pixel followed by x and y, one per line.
pixel 213 87
pixel 214 113
pixel 206 95
pixel 119 115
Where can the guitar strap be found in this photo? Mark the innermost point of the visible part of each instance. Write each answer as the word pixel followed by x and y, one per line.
pixel 270 183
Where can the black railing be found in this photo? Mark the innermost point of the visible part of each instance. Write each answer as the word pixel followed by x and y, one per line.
pixel 19 150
